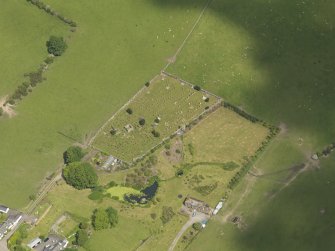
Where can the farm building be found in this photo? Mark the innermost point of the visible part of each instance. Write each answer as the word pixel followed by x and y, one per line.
pixel 198 205
pixel 4 209
pixel 218 207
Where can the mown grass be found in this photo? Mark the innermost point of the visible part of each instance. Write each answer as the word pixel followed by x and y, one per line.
pixel 24 32
pixel 166 105
pixel 120 191
pixel 114 51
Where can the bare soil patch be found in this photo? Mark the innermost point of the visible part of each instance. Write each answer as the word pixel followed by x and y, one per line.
pixel 7 108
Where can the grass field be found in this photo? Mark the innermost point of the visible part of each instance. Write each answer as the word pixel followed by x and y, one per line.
pixel 172 103
pixel 223 137
pixel 274 58
pixel 112 54
pixel 24 32
pixel 299 218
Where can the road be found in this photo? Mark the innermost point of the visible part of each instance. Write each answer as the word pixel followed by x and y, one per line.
pixel 199 217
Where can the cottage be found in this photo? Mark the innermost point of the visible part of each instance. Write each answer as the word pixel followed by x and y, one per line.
pixel 4 209
pixel 198 205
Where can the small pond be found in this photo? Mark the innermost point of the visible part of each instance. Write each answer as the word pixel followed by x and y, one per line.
pixel 146 194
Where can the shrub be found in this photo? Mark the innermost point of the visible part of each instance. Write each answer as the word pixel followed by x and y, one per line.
pixel 1 111
pixel 49 60
pixel 167 146
pixel 141 121
pixel 207 99
pixel 112 216
pixel 156 134
pixel 81 237
pixel 100 219
pixel 129 111
pixel 80 175
pixel 56 45
pixel 96 195
pixel 147 84
pixel 73 154
pixel 197 88
pixel 230 166
pixel 197 226
pixel 191 148
pixel 153 216
pixel 83 225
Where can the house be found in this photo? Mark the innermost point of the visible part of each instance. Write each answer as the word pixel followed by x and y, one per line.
pixel 198 205
pixel 4 209
pixel 34 243
pixel 9 224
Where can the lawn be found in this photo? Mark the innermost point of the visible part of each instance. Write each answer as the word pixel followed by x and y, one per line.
pixel 118 46
pixel 165 106
pixel 24 32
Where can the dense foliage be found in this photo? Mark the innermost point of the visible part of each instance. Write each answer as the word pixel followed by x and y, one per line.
pixel 167 214
pixel 56 45
pixel 73 154
pixel 81 237
pixel 103 219
pixel 80 175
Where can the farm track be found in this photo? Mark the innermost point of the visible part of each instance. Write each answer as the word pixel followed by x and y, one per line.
pixel 44 191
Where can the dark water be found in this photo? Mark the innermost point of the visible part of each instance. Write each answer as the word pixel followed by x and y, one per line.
pixel 148 193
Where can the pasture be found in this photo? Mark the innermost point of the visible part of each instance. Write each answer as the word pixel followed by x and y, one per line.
pixel 272 58
pixel 165 106
pixel 24 32
pixel 117 47
pixel 297 219
pixel 222 137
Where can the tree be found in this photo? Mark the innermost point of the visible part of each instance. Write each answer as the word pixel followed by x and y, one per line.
pixel 113 216
pixel 56 45
pixel 81 237
pixel 80 175
pixel 197 88
pixel 73 154
pixel 100 219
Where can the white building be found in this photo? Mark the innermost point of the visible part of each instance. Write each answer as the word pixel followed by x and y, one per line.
pixel 218 207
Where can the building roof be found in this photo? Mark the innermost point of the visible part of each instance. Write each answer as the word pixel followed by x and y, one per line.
pixel 4 209
pixel 34 242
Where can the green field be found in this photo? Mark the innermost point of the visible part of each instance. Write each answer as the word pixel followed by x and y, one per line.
pixel 166 106
pixel 273 58
pixel 114 51
pixel 23 41
pixel 297 219
pixel 120 192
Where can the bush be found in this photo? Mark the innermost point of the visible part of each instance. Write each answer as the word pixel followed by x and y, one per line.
pixel 141 121
pixel 73 154
pixel 197 226
pixel 96 195
pixel 147 84
pixel 56 45
pixel 156 134
pixel 197 88
pixel 49 60
pixel 103 219
pixel 80 175
pixel 81 237
pixel 1 111
pixel 83 225
pixel 153 216
pixel 129 111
